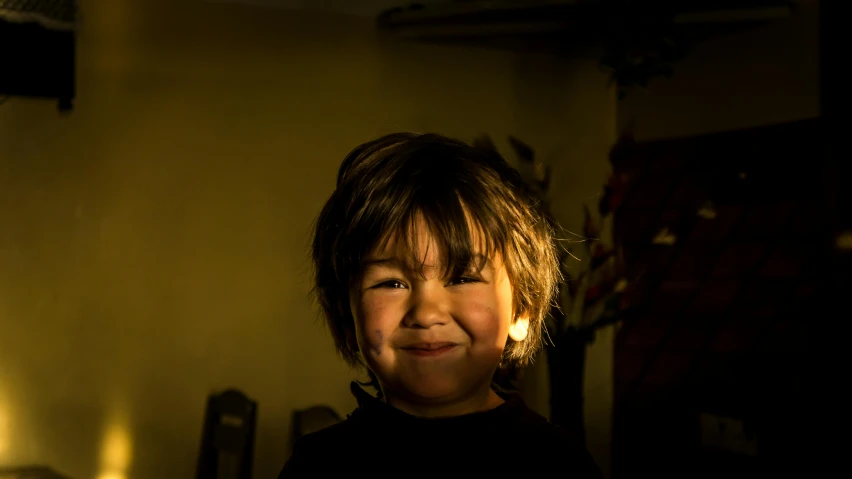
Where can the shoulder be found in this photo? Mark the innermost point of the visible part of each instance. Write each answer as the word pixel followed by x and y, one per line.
pixel 529 423
pixel 329 436
pixel 550 440
pixel 320 452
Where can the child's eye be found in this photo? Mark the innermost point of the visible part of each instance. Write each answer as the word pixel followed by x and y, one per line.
pixel 393 284
pixel 465 280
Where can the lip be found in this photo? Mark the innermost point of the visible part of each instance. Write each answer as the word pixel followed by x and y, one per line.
pixel 429 349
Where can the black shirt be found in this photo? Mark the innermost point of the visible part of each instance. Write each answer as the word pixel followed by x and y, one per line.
pixel 378 440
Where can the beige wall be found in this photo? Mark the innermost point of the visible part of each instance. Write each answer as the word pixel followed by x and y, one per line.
pixel 153 242
pixel 766 75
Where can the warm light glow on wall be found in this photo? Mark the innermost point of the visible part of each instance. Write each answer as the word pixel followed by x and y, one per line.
pixel 112 475
pixel 116 450
pixel 5 429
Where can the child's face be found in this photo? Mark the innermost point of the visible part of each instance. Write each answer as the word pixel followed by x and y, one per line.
pixel 433 340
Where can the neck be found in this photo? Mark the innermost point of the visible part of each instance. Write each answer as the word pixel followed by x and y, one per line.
pixel 483 401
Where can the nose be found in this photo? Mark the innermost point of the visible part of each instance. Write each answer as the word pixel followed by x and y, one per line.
pixel 427 308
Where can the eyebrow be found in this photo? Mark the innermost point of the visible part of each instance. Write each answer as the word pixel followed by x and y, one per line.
pixel 395 262
pixel 381 262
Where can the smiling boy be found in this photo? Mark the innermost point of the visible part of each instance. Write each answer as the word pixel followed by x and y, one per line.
pixel 434 268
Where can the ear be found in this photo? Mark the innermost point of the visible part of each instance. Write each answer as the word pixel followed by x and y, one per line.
pixel 519 329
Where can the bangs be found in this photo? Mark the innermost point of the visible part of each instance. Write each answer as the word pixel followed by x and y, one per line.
pixel 463 244
pixel 458 202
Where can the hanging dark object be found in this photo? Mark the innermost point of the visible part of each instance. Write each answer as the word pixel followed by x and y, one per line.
pixel 642 42
pixel 37 49
pixel 636 41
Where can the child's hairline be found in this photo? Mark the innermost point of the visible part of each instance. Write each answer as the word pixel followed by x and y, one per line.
pixel 487 251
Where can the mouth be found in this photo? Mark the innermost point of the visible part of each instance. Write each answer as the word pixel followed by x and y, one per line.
pixel 429 349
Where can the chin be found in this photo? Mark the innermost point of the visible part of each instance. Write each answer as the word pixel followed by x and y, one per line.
pixel 433 388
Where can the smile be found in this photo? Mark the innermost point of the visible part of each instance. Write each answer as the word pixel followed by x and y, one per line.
pixel 429 349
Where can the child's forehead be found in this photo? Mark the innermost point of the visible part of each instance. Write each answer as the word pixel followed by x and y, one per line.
pixel 423 242
pixel 419 240
pixel 431 255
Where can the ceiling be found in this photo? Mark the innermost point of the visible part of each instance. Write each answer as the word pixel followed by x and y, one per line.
pixel 368 8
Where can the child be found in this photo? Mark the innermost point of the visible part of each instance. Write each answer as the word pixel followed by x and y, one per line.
pixel 434 269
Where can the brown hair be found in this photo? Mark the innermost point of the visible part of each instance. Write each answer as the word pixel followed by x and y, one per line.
pixel 383 185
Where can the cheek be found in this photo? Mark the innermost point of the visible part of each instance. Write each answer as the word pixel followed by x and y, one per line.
pixel 372 325
pixel 489 313
pixel 487 324
pixel 375 343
